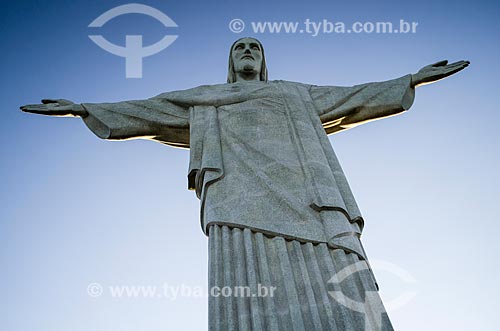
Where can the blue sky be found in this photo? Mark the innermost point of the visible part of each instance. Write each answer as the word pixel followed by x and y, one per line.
pixel 77 210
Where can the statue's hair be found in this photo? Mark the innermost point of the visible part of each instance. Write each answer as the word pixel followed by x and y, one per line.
pixel 231 74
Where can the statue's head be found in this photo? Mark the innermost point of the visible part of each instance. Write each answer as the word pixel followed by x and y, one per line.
pixel 247 56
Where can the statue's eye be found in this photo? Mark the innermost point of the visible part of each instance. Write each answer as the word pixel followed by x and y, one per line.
pixel 238 47
pixel 256 48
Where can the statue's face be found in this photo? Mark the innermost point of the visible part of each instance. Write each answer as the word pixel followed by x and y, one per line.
pixel 247 56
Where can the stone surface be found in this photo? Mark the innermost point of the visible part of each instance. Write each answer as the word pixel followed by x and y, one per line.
pixel 274 199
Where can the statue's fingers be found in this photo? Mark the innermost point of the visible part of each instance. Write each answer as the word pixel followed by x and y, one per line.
pixel 462 62
pixel 454 65
pixel 457 65
pixel 46 101
pixel 440 63
pixel 44 110
pixel 37 108
pixel 454 70
pixel 34 106
pixel 64 102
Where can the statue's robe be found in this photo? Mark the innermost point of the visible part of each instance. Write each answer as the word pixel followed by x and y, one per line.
pixel 260 158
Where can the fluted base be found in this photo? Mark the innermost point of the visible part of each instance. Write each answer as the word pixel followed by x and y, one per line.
pixel 315 287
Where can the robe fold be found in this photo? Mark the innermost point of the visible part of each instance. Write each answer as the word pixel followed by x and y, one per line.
pixel 260 158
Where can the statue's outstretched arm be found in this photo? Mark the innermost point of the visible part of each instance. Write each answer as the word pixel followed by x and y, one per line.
pixel 342 108
pixel 157 118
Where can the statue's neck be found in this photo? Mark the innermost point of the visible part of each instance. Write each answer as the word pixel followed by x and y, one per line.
pixel 247 76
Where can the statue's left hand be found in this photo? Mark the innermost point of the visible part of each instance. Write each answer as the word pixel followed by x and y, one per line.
pixel 434 72
pixel 56 107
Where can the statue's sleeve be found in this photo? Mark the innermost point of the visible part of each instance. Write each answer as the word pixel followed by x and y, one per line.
pixel 341 108
pixel 156 118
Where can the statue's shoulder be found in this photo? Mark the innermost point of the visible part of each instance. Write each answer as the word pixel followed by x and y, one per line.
pixel 202 89
pixel 291 84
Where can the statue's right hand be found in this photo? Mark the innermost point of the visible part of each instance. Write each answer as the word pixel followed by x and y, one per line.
pixel 56 107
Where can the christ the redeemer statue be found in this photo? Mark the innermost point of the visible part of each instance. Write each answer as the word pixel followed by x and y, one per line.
pixel 275 203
